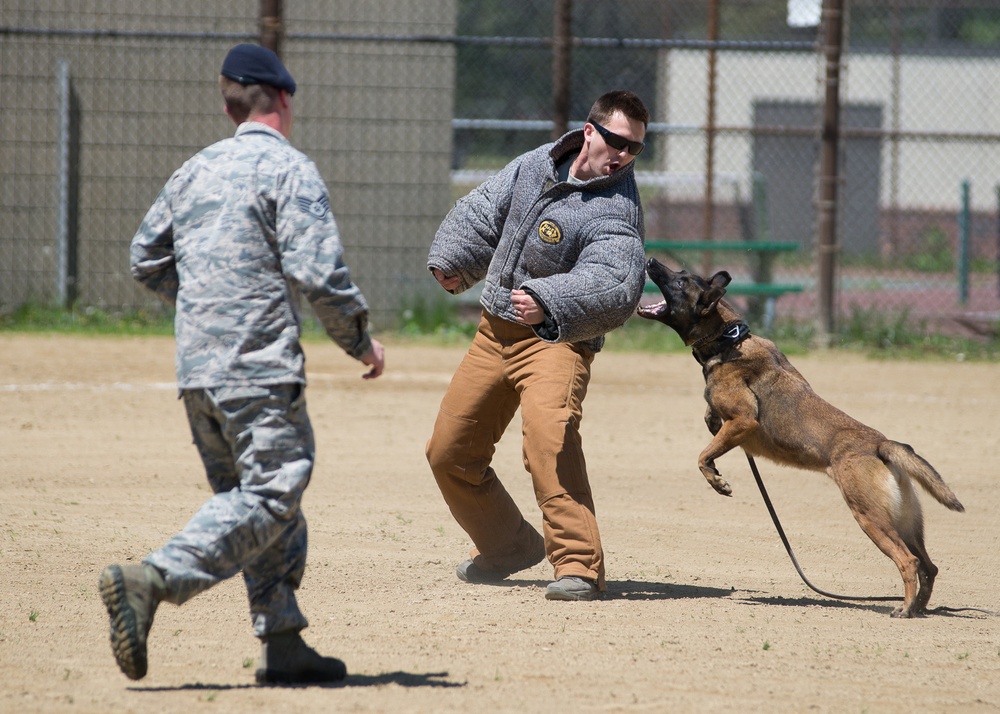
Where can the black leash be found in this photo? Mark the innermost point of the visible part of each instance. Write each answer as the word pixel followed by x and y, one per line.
pixel 788 549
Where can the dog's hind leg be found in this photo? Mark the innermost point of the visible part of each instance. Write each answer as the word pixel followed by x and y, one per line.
pixel 927 574
pixel 888 512
pixel 913 536
pixel 914 539
pixel 910 523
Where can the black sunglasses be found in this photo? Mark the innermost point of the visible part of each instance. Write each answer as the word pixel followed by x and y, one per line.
pixel 617 142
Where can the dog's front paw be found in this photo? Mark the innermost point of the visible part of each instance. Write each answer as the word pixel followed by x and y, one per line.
pixel 713 476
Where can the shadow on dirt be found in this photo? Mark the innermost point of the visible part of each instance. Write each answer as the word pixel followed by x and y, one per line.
pixel 642 590
pixel 816 602
pixel 633 589
pixel 403 679
pixel 973 613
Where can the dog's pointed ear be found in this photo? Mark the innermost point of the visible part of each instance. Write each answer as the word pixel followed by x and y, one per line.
pixel 720 279
pixel 716 289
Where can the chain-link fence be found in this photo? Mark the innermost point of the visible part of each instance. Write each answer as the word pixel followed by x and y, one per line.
pixel 102 101
pixel 406 104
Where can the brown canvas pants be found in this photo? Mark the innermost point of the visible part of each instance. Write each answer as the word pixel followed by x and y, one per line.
pixel 508 366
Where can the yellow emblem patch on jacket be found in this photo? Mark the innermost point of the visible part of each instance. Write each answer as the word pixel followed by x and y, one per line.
pixel 549 232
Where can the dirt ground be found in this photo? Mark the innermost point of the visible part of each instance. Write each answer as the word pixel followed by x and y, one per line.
pixel 705 612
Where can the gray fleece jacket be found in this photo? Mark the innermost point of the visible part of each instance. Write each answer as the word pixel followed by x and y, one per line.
pixel 577 248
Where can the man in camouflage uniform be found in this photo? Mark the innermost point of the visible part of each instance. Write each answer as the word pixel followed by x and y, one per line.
pixel 557 238
pixel 234 233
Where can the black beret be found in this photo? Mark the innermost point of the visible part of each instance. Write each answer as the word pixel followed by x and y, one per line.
pixel 253 64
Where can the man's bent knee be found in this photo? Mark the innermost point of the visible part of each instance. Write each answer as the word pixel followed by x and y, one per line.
pixel 449 451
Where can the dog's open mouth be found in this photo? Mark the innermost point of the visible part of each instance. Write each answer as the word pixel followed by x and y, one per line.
pixel 651 312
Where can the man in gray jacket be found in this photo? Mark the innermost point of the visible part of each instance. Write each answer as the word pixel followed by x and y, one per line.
pixel 239 229
pixel 557 236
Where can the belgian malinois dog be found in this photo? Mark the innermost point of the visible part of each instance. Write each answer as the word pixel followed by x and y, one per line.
pixel 757 400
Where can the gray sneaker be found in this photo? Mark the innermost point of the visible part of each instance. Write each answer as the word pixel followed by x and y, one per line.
pixel 468 571
pixel 131 594
pixel 286 659
pixel 571 587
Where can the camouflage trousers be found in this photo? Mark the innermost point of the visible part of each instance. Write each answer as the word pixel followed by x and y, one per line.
pixel 258 450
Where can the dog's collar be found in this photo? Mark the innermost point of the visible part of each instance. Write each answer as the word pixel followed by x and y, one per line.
pixel 711 345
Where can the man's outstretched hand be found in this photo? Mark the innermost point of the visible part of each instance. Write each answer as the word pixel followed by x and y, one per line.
pixel 374 358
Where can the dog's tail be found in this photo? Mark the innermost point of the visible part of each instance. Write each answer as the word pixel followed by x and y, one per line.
pixel 903 460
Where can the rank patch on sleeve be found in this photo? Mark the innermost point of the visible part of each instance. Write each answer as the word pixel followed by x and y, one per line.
pixel 317 207
pixel 549 232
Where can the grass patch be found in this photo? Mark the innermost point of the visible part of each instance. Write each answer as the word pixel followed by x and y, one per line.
pixel 874 333
pixel 439 319
pixel 34 317
pixel 642 335
pixel 898 336
pixel 447 322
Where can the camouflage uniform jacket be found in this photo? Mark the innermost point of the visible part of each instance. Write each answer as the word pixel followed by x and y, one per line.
pixel 234 232
pixel 577 248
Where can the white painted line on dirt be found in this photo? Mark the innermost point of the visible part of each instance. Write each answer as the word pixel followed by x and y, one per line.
pixel 80 387
pixel 417 377
pixel 414 377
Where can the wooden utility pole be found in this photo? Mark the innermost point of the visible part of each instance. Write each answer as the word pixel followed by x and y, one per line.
pixel 709 223
pixel 829 171
pixel 272 30
pixel 561 66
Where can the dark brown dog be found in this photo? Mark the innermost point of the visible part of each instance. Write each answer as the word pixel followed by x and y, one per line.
pixel 759 401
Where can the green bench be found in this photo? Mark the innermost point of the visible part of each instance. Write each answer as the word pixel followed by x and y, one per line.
pixel 762 291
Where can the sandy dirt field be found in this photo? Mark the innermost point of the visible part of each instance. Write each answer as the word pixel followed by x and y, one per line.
pixel 705 612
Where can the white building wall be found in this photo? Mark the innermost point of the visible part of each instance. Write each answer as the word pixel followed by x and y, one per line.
pixel 936 94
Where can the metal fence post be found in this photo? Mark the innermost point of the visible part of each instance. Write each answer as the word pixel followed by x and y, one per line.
pixel 561 66
pixel 65 269
pixel 964 223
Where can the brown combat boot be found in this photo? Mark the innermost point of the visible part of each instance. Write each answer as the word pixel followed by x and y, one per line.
pixel 286 659
pixel 131 594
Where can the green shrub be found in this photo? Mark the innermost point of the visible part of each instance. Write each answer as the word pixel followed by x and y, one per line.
pixel 438 318
pixel 934 253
